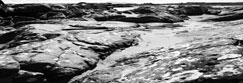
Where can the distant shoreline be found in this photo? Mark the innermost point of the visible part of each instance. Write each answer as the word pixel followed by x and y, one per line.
pixel 187 3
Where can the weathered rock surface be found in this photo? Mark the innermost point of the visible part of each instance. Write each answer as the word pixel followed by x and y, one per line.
pixel 8 66
pixel 74 11
pixel 192 10
pixel 230 17
pixel 212 58
pixel 59 49
pixel 143 10
pixel 45 53
pixel 206 62
pixel 53 15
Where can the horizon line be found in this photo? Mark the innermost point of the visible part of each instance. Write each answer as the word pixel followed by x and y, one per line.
pixel 120 2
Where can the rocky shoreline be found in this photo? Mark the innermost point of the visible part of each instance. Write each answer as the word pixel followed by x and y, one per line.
pixel 76 43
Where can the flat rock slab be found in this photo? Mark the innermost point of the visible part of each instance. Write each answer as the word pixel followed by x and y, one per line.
pixel 211 57
pixel 91 25
pixel 55 54
pixel 210 61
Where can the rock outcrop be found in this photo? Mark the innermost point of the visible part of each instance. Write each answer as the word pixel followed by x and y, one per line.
pixel 151 18
pixel 35 53
pixel 212 61
pixel 229 17
pixel 30 10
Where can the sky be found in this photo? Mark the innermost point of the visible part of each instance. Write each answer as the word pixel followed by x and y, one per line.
pixel 121 1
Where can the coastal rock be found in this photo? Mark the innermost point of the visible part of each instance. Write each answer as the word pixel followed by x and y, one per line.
pixel 143 10
pixel 94 25
pixel 217 60
pixel 53 15
pixel 8 66
pixel 192 10
pixel 29 77
pixel 151 18
pixel 74 11
pixel 24 35
pixel 105 43
pixel 56 56
pixel 230 17
pixel 30 10
pixel 107 17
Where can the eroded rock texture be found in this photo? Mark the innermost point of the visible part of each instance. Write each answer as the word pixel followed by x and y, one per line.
pixel 50 43
pixel 217 61
pixel 36 54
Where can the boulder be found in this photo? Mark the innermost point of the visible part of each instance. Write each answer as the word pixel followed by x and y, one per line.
pixel 74 11
pixel 30 10
pixel 192 10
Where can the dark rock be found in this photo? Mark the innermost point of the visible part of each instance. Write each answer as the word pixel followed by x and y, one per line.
pixel 30 10
pixel 53 15
pixel 151 18
pixel 107 17
pixel 101 6
pixel 143 10
pixel 8 21
pixel 192 10
pixel 22 19
pixel 75 11
pixel 29 77
pixel 127 12
pixel 161 25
